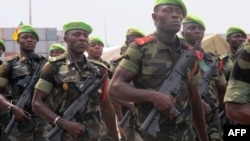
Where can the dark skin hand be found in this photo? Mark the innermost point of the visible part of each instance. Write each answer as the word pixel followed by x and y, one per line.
pixel 163 102
pixel 39 106
pixel 239 113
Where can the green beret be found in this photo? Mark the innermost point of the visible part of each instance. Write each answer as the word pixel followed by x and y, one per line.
pixel 77 25
pixel 194 19
pixel 28 29
pixel 174 2
pixel 235 29
pixel 56 46
pixel 134 32
pixel 95 39
pixel 3 45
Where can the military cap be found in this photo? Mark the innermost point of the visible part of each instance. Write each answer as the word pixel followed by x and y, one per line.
pixel 95 39
pixel 235 29
pixel 194 19
pixel 28 29
pixel 2 44
pixel 56 46
pixel 77 25
pixel 134 31
pixel 174 2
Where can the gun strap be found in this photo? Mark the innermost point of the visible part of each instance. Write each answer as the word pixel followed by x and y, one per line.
pixel 103 95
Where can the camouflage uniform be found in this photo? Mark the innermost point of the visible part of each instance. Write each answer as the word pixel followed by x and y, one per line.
pixel 239 82
pixel 59 83
pixel 228 61
pixel 152 62
pixel 11 72
pixel 212 120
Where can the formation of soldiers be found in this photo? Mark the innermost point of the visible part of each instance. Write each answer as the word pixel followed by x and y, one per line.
pixel 72 97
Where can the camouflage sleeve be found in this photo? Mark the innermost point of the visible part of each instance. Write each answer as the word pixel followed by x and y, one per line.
pixel 4 73
pixel 238 89
pixel 132 58
pixel 46 81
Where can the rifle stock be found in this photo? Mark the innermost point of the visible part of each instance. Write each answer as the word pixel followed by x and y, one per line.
pixel 79 105
pixel 171 85
pixel 24 99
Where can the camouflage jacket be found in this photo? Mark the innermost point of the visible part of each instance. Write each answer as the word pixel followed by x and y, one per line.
pixel 59 79
pixel 239 83
pixel 152 61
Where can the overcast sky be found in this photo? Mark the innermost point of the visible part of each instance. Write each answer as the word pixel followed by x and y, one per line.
pixel 111 18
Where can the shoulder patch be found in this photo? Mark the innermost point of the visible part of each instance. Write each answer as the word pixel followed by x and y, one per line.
pixel 98 63
pixel 60 57
pixel 144 40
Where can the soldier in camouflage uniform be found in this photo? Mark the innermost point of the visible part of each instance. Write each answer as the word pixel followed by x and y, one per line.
pixel 57 81
pixel 4 115
pixel 56 49
pixel 30 126
pixel 95 50
pixel 193 32
pixel 131 34
pixel 237 99
pixel 235 36
pixel 147 62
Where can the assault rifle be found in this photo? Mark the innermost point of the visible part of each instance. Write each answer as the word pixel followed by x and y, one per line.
pixel 28 83
pixel 171 85
pixel 207 76
pixel 87 87
pixel 124 123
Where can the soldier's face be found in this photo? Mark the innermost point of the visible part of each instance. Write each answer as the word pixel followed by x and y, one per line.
pixel 77 40
pixel 193 32
pixel 168 18
pixel 27 41
pixel 236 39
pixel 1 50
pixel 95 50
pixel 57 52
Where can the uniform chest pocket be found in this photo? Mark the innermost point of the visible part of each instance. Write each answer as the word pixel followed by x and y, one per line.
pixel 156 66
pixel 66 74
pixel 19 70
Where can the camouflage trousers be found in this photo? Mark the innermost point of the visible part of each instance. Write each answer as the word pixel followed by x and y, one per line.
pixel 32 131
pixel 4 120
pixel 95 131
pixel 213 126
pixel 180 132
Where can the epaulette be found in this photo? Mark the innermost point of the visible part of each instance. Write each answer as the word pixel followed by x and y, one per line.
pixel 60 57
pixel 9 58
pixel 98 63
pixel 144 40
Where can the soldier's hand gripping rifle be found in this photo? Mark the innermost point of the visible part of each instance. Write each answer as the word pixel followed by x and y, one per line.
pixel 171 85
pixel 87 87
pixel 207 76
pixel 25 99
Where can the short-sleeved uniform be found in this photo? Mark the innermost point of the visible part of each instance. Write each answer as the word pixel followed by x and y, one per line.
pixel 11 72
pixel 152 62
pixel 238 90
pixel 58 80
